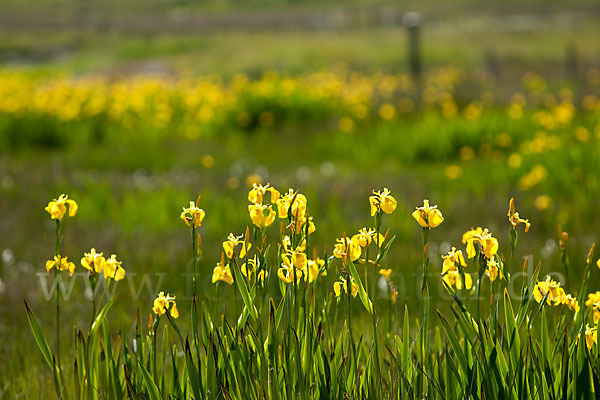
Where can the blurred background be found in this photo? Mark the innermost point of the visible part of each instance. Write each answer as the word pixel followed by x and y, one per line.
pixel 135 107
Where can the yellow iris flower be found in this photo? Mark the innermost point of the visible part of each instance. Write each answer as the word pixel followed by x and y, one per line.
pixel 428 216
pixel 492 270
pixel 554 294
pixel 222 273
pixel 231 243
pixel 311 271
pixel 257 193
pixel 248 269
pixel 261 215
pixel 596 312
pixel 453 278
pixel 193 214
pixel 93 261
pixel 60 263
pixel 289 274
pixel 592 299
pixel 346 248
pixel 365 236
pixel 58 207
pixel 113 269
pixel 513 216
pixel 297 202
pixel 382 200
pixel 162 304
pixel 452 260
pixel 342 284
pixel 550 288
pixel 590 336
pixel 294 257
pixel 487 243
pixel 450 273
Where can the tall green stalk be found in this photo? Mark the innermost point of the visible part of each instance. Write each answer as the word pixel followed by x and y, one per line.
pixel 57 292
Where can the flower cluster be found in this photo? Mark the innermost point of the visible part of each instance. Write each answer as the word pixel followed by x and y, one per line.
pixel 96 263
pixel 554 295
pixel 162 304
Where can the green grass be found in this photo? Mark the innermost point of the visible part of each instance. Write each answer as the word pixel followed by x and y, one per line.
pixel 131 188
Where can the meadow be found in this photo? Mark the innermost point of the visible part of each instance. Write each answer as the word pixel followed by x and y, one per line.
pixel 133 141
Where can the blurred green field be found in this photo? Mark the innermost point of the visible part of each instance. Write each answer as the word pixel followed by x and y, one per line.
pixel 131 178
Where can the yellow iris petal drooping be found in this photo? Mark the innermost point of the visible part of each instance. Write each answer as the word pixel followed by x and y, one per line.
pixel 58 207
pixel 487 243
pixel 261 215
pixel 162 303
pixel 61 264
pixel 113 269
pixel 342 284
pixel 222 272
pixel 257 193
pixel 513 216
pixel 428 216
pixel 590 336
pixel 94 262
pixel 346 248
pixel 231 243
pixel 382 201
pixel 554 294
pixel 451 273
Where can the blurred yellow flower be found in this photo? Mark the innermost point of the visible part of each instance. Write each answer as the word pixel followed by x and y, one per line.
pixel 387 111
pixel 261 215
pixel 60 263
pixel 162 304
pixel 513 216
pixel 193 214
pixel 93 261
pixel 542 202
pixel 428 216
pixel 342 284
pixel 382 200
pixel 385 272
pixel 453 171
pixel 231 243
pixel 346 124
pixel 394 295
pixel 208 161
pixel 514 160
pixel 593 298
pixel 58 207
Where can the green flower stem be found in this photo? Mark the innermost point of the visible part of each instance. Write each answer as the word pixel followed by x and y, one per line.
pixel 57 290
